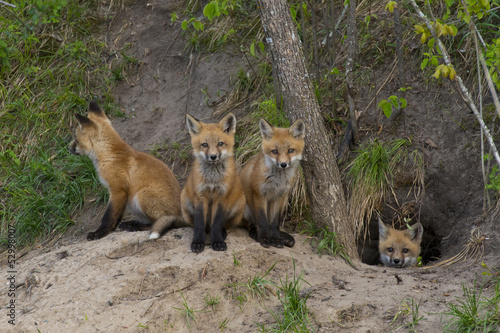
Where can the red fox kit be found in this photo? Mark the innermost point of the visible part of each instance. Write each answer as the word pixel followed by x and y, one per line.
pixel 135 180
pixel 212 198
pixel 399 248
pixel 267 179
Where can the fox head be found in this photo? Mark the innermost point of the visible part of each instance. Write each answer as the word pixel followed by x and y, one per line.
pixel 212 142
pixel 399 248
pixel 88 131
pixel 282 147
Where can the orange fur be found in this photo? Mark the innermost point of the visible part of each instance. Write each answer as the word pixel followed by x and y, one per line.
pixel 399 248
pixel 212 198
pixel 134 179
pixel 267 179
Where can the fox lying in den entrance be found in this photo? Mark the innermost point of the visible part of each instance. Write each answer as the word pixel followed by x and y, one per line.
pixel 399 248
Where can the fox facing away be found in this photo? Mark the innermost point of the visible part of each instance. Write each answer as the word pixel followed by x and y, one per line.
pixel 267 179
pixel 134 179
pixel 399 248
pixel 212 198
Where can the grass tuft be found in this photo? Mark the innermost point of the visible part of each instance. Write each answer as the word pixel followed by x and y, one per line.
pixel 473 312
pixel 372 176
pixel 294 315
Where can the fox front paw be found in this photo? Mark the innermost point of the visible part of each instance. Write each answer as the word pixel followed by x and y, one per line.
pixel 98 234
pixel 197 247
pixel 265 242
pixel 277 242
pixel 219 246
pixel 288 239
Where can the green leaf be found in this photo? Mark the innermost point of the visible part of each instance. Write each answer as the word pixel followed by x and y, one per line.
pixel 390 6
pixel 209 11
pixel 437 73
pixel 335 71
pixel 262 47
pixel 424 63
pixel 198 25
pixel 419 29
pixel 394 101
pixel 184 25
pixel 434 61
pixel 430 43
pixel 386 107
pixel 403 103
pixel 173 17
pixel 252 49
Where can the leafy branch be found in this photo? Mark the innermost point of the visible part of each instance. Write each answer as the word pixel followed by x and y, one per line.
pixel 463 89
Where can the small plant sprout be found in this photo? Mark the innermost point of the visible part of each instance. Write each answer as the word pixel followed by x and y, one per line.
pixel 236 262
pixel 295 316
pixel 211 301
pixel 223 324
pixel 257 284
pixel 186 311
pixel 409 306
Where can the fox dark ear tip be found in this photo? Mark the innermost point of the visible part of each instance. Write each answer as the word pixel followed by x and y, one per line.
pixel 94 107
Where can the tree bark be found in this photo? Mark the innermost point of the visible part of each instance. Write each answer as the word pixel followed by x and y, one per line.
pixel 352 55
pixel 322 177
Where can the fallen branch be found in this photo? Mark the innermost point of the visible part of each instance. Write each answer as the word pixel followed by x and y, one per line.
pixel 464 91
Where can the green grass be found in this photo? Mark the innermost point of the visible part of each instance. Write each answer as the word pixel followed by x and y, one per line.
pixel 372 175
pixel 409 306
pixel 293 316
pixel 50 66
pixel 325 241
pixel 474 312
pixel 211 301
pixel 186 311
pixel 255 286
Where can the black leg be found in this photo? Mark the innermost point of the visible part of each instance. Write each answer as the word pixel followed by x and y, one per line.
pixel 109 222
pixel 198 244
pixel 263 229
pixel 253 233
pixel 216 233
pixel 274 232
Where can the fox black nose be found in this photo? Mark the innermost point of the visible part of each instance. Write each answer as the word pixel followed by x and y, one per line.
pixel 283 165
pixel 213 157
pixel 396 261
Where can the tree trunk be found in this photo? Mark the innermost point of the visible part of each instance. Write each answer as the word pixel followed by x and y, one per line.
pixel 324 187
pixel 352 55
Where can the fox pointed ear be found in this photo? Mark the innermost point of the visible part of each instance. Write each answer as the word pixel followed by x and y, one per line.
pixel 415 232
pixel 82 120
pixel 228 123
pixel 193 125
pixel 298 129
pixel 95 109
pixel 383 232
pixel 266 130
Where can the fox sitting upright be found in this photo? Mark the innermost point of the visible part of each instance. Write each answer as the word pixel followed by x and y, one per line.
pixel 399 248
pixel 134 179
pixel 267 179
pixel 212 198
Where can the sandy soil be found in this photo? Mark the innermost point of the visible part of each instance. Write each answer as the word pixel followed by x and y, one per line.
pixel 124 283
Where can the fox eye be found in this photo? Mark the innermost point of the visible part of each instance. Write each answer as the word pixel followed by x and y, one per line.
pixel 221 144
pixel 204 145
pixel 274 151
pixel 291 150
pixel 390 249
pixel 405 250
